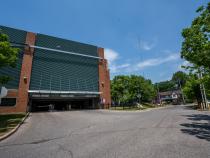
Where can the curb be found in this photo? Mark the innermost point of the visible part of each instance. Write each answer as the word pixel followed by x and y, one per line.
pixel 15 129
pixel 145 110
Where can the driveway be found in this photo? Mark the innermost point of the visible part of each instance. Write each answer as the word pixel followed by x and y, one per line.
pixel 174 132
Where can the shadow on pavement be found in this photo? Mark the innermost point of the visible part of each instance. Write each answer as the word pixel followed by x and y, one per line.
pixel 199 127
pixel 190 107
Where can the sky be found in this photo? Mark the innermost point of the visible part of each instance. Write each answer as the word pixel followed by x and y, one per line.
pixel 141 37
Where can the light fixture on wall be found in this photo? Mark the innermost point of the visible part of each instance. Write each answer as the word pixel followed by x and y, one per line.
pixel 102 84
pixel 25 79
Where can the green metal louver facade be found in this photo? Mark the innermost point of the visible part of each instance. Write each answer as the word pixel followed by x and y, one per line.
pixel 17 36
pixel 56 71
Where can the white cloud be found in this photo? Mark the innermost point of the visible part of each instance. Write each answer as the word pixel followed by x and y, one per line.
pixel 157 61
pixel 116 68
pixel 145 45
pixel 123 66
pixel 111 55
pixel 130 67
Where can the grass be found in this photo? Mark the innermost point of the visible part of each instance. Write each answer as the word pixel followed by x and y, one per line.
pixel 134 108
pixel 127 108
pixel 9 121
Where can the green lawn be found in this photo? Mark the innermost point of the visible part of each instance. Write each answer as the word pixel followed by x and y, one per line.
pixel 133 108
pixel 9 121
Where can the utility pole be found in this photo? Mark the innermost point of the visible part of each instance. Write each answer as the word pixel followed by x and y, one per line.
pixel 139 96
pixel 206 101
pixel 180 86
pixel 203 91
pixel 158 94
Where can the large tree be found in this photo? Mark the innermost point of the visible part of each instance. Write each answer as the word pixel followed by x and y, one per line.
pixel 196 50
pixel 141 87
pixel 119 88
pixel 130 89
pixel 179 78
pixel 165 86
pixel 196 44
pixel 8 56
pixel 192 89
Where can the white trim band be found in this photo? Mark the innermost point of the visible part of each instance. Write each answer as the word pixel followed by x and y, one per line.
pixel 62 92
pixel 63 51
pixel 55 50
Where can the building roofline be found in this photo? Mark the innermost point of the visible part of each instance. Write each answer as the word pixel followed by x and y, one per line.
pixel 53 36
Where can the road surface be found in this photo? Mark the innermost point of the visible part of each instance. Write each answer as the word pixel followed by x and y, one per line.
pixel 174 132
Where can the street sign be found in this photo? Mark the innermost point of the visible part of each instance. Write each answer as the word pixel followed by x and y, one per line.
pixel 3 92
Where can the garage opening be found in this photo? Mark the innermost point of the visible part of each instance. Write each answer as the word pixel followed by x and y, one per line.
pixel 62 100
pixel 62 105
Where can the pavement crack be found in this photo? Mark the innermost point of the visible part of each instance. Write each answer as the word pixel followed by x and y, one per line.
pixel 33 142
pixel 44 140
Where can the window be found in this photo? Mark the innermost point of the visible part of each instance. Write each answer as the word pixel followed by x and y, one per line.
pixel 8 102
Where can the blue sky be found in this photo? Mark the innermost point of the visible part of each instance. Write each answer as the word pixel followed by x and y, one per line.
pixel 140 37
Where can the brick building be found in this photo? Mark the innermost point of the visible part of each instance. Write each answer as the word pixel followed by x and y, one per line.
pixel 52 70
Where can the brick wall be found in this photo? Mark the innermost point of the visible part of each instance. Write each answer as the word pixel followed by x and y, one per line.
pixel 104 79
pixel 22 92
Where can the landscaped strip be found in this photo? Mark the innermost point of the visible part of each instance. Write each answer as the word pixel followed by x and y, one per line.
pixel 10 122
pixel 143 106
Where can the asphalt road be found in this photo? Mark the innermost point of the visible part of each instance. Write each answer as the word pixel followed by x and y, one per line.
pixel 175 132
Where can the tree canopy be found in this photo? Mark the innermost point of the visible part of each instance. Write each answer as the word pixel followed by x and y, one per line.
pixel 8 56
pixel 180 78
pixel 192 88
pixel 196 50
pixel 126 89
pixel 196 44
pixel 165 86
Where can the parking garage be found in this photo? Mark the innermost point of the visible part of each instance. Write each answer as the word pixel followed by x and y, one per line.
pixel 55 74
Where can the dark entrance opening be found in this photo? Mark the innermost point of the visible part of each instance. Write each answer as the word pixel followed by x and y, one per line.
pixel 62 105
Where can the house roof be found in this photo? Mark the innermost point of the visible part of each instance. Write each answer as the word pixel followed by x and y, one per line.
pixel 170 92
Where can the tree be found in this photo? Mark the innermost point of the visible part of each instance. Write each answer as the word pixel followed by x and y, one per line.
pixel 179 78
pixel 139 86
pixel 127 89
pixel 119 88
pixel 206 80
pixel 196 44
pixel 165 86
pixel 192 89
pixel 196 50
pixel 8 56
